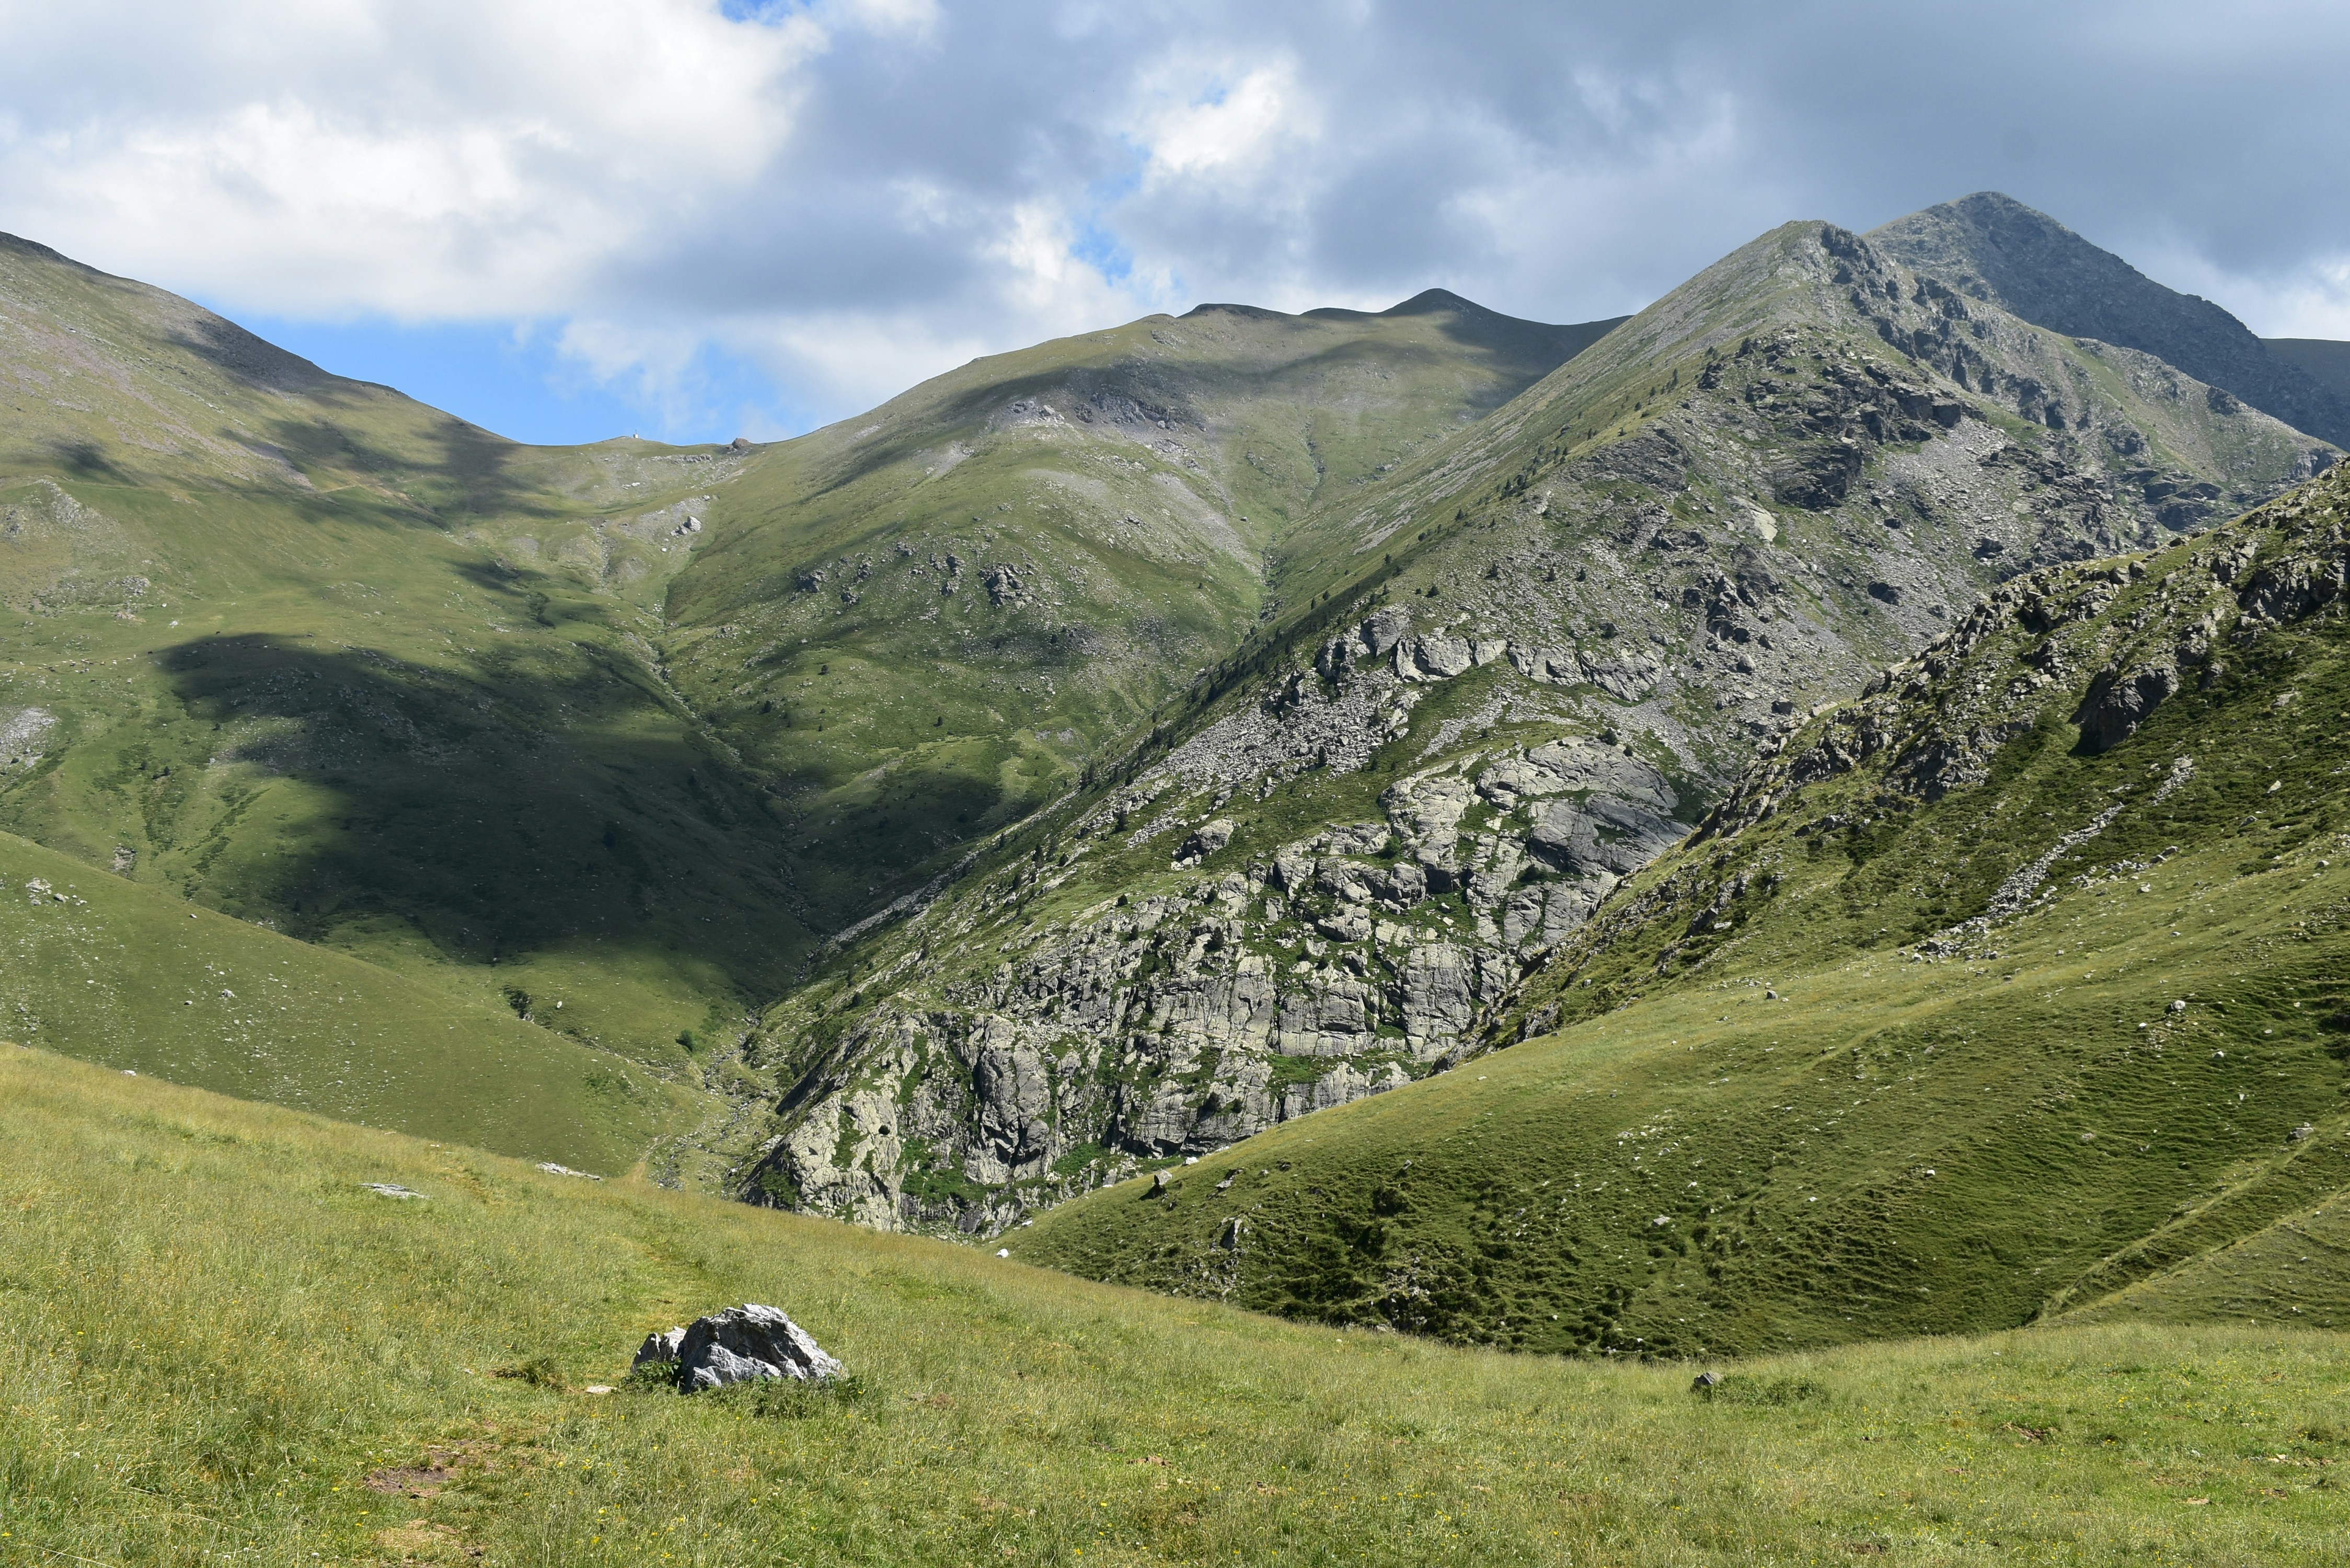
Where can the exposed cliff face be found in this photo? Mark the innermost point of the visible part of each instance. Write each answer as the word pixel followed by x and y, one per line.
pixel 1935 725
pixel 1992 993
pixel 1324 878
pixel 1250 991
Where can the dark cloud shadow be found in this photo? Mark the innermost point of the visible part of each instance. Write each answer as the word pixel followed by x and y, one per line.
pixel 255 361
pixel 537 800
pixel 86 459
pixel 539 797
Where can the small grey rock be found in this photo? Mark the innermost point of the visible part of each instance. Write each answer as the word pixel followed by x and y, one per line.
pixel 1706 1380
pixel 659 1349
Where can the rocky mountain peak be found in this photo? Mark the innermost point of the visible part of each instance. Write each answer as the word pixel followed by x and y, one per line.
pixel 1993 248
pixel 1494 682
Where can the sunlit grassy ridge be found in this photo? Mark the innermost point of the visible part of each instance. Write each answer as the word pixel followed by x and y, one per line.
pixel 324 658
pixel 212 1338
pixel 927 621
pixel 1771 1120
pixel 1636 506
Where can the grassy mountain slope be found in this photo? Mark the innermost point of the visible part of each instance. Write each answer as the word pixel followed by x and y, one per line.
pixel 923 622
pixel 331 661
pixel 2008 986
pixel 219 1346
pixel 1992 247
pixel 133 978
pixel 1497 680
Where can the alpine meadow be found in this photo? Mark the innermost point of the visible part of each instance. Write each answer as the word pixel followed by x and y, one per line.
pixel 1715 936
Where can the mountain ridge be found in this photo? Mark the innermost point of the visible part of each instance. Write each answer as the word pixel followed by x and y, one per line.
pixel 1437 761
pixel 1824 1071
pixel 318 656
pixel 1252 697
pixel 1994 248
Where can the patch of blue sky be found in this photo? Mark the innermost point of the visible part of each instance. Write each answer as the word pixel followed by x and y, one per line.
pixel 1097 243
pixel 766 12
pixel 512 378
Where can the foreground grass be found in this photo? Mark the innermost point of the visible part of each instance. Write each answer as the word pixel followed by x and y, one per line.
pixel 212 1338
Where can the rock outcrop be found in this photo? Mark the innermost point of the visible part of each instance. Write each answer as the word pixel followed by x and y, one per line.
pixel 1992 247
pixel 738 1345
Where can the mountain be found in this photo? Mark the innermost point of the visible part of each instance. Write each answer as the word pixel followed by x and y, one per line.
pixel 443 1378
pixel 1994 248
pixel 924 622
pixel 1494 682
pixel 316 656
pixel 2322 360
pixel 1098 754
pixel 2010 990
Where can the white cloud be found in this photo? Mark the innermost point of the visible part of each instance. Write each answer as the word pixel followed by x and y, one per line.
pixel 421 159
pixel 1228 129
pixel 855 193
pixel 2309 300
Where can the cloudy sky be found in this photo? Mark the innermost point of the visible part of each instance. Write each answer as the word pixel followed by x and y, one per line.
pixel 569 219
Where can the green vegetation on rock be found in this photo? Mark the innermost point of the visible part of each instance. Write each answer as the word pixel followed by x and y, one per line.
pixel 1498 679
pixel 1096 756
pixel 2011 990
pixel 318 657
pixel 926 622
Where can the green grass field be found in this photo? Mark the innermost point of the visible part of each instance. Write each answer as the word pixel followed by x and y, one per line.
pixel 217 1346
pixel 127 976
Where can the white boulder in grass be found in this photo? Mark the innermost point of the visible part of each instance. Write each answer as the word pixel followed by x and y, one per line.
pixel 738 1345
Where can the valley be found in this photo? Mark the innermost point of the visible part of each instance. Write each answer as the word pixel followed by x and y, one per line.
pixel 1322 875
pixel 1942 1018
pixel 1415 821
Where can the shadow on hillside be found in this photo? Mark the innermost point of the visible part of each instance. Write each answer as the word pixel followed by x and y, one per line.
pixel 86 459
pixel 448 467
pixel 534 796
pixel 460 473
pixel 255 361
pixel 530 800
